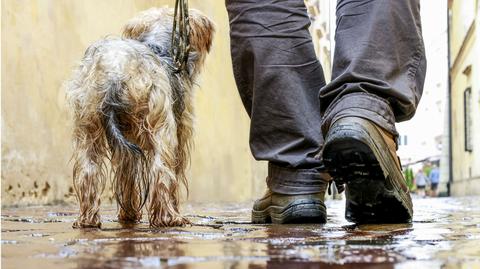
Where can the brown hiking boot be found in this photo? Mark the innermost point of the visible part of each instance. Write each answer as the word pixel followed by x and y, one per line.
pixel 363 156
pixel 282 208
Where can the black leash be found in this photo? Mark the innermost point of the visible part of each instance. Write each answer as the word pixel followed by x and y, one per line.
pixel 180 35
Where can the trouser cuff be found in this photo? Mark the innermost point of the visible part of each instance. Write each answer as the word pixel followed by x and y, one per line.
pixel 296 181
pixel 363 105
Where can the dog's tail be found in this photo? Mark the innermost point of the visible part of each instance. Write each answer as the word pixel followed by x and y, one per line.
pixel 112 108
pixel 130 166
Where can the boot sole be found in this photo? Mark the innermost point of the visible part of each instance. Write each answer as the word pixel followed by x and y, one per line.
pixel 374 190
pixel 300 211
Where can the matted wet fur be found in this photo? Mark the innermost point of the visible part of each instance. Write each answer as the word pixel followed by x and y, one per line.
pixel 133 115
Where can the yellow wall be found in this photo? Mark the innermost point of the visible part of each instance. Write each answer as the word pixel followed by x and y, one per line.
pixel 41 42
pixel 462 16
pixel 465 73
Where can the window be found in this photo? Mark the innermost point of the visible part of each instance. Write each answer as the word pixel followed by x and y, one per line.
pixel 467 113
pixel 402 140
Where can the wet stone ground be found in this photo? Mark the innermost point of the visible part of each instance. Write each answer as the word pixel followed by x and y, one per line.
pixel 445 233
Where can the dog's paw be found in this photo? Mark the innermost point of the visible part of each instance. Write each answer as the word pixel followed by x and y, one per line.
pixel 129 218
pixel 176 221
pixel 78 224
pixel 181 221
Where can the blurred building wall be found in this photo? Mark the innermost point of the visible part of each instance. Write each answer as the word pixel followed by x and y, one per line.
pixel 423 139
pixel 465 81
pixel 41 42
pixel 320 15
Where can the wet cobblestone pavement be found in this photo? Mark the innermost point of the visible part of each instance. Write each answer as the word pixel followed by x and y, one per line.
pixel 445 233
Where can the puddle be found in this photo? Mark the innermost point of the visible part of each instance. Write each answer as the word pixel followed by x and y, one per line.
pixel 445 233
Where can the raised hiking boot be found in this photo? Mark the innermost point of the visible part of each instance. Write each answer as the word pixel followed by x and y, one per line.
pixel 282 208
pixel 363 156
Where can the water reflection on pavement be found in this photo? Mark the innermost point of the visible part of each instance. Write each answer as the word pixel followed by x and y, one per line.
pixel 445 233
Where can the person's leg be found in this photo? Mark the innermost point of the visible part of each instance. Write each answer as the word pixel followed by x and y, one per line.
pixel 378 75
pixel 422 191
pixel 379 63
pixel 434 189
pixel 279 78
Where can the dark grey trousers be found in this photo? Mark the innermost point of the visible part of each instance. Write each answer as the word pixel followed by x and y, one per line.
pixel 378 74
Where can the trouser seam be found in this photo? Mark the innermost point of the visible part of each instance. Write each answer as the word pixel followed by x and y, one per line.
pixel 417 57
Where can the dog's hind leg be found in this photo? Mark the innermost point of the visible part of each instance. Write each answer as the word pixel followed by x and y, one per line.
pixel 88 172
pixel 128 194
pixel 163 207
pixel 164 196
pixel 132 214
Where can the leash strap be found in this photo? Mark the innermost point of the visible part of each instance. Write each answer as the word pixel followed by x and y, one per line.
pixel 180 35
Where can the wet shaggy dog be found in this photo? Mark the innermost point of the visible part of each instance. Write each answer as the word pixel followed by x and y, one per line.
pixel 133 119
